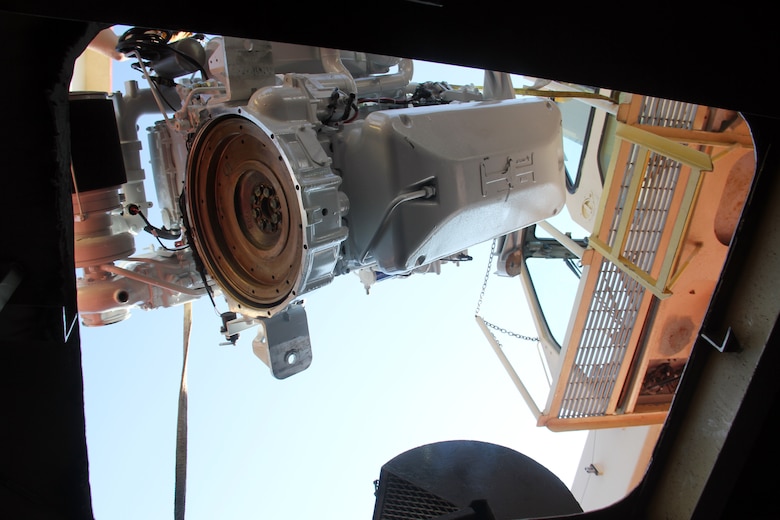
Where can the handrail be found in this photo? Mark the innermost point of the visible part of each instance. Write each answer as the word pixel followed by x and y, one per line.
pixel 565 240
pixel 648 142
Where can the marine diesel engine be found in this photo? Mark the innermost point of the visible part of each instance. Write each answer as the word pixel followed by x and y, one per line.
pixel 278 167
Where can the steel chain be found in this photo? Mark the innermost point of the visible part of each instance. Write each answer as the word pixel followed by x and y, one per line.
pixel 509 332
pixel 482 296
pixel 487 276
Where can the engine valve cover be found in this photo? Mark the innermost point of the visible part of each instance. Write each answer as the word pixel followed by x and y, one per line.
pixel 495 166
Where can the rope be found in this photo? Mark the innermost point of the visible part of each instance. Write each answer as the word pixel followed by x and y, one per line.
pixel 181 427
pixel 82 216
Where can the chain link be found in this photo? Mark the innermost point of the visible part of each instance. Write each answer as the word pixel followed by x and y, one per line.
pixel 509 332
pixel 482 297
pixel 487 276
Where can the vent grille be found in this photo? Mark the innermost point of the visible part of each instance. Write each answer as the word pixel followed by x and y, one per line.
pixel 402 500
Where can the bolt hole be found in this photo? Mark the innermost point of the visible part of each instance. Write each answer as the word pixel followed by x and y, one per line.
pixel 291 357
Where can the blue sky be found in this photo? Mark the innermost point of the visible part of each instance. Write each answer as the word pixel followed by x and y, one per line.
pixel 403 366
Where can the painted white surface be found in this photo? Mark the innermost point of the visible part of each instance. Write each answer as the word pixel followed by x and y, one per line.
pixel 620 455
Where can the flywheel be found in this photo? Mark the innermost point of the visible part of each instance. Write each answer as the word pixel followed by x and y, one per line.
pixel 245 214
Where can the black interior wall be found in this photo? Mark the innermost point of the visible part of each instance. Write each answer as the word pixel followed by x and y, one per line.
pixel 44 464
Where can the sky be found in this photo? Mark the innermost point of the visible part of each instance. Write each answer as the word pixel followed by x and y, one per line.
pixel 403 366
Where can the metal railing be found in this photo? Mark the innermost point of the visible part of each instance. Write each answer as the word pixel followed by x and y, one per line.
pixel 629 267
pixel 648 193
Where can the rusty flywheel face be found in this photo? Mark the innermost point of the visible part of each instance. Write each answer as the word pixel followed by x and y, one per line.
pixel 245 215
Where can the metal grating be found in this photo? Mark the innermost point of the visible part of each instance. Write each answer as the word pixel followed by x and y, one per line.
pixel 603 343
pixel 402 500
pixel 667 113
pixel 652 208
pixel 616 299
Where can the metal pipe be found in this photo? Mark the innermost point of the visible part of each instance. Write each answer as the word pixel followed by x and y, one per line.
pixel 565 240
pixel 387 82
pixel 151 281
pixel 424 193
pixel 510 370
pixel 331 62
pixel 598 101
